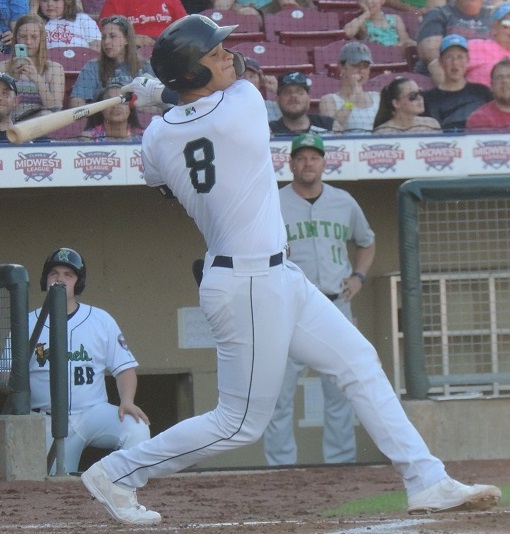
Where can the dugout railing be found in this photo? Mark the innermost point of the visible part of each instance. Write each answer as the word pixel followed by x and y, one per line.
pixel 469 251
pixel 17 348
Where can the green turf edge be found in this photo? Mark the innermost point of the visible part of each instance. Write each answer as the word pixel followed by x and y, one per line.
pixel 394 501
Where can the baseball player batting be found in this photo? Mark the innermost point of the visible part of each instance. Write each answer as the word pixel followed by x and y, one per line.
pixel 212 152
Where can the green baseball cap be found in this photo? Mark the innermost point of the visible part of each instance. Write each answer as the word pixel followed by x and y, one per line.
pixel 307 140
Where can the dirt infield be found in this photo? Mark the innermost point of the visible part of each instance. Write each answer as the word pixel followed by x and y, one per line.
pixel 267 501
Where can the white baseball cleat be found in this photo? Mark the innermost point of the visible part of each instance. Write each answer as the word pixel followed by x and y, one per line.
pixel 450 495
pixel 120 502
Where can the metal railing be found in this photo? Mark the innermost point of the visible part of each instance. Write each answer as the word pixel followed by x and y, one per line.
pixel 17 349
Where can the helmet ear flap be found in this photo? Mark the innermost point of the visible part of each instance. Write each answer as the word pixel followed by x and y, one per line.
pixel 198 77
pixel 239 62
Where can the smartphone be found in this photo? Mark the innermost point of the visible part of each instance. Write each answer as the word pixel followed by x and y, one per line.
pixel 21 50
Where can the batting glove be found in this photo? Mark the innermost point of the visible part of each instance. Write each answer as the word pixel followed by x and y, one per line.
pixel 147 89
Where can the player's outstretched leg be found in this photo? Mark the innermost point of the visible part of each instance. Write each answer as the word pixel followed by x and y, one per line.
pixel 450 495
pixel 120 502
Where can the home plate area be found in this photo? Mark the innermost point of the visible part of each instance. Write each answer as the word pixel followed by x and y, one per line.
pixel 261 501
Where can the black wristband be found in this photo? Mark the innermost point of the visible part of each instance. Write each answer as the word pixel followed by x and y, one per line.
pixel 361 276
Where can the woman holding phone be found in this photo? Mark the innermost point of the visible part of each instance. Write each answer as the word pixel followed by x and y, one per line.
pixel 40 82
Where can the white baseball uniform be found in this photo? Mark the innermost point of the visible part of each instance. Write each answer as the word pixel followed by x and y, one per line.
pixel 214 155
pixel 95 345
pixel 318 234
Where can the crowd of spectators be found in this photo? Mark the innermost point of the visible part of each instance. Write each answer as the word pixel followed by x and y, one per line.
pixel 457 46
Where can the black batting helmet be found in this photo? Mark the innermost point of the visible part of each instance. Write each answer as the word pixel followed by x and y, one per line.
pixel 70 258
pixel 178 49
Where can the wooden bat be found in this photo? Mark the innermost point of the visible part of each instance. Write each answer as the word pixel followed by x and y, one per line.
pixel 37 127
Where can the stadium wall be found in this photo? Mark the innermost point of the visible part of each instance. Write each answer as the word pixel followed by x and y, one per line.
pixel 139 248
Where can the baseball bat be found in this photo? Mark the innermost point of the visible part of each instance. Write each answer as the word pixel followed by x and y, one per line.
pixel 39 126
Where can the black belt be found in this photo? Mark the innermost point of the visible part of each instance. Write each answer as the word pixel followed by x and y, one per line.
pixel 226 261
pixel 332 297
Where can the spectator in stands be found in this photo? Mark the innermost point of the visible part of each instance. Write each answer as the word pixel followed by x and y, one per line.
pixel 485 53
pixel 266 84
pixel 294 102
pixel 66 25
pixel 351 107
pixel 494 116
pixel 10 12
pixel 468 18
pixel 40 82
pixel 401 108
pixel 455 99
pixel 118 59
pixel 148 17
pixel 260 7
pixel 377 26
pixel 118 123
pixel 8 103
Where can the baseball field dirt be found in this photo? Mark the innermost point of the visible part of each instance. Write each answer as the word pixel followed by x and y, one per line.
pixel 261 501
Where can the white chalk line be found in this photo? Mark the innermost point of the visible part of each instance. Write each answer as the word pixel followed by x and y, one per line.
pixel 375 525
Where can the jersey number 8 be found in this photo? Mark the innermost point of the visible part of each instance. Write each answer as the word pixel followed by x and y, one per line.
pixel 202 171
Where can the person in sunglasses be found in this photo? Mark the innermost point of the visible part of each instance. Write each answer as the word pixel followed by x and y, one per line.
pixel 294 102
pixel 454 99
pixel 401 108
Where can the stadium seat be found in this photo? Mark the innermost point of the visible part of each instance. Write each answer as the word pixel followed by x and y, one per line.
pixel 145 51
pixel 275 58
pixel 387 58
pixel 346 16
pixel 72 58
pixel 412 22
pixel 71 131
pixel 321 85
pixel 298 20
pixel 378 82
pixel 325 58
pixel 310 39
pixel 337 6
pixel 92 7
pixel 248 25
